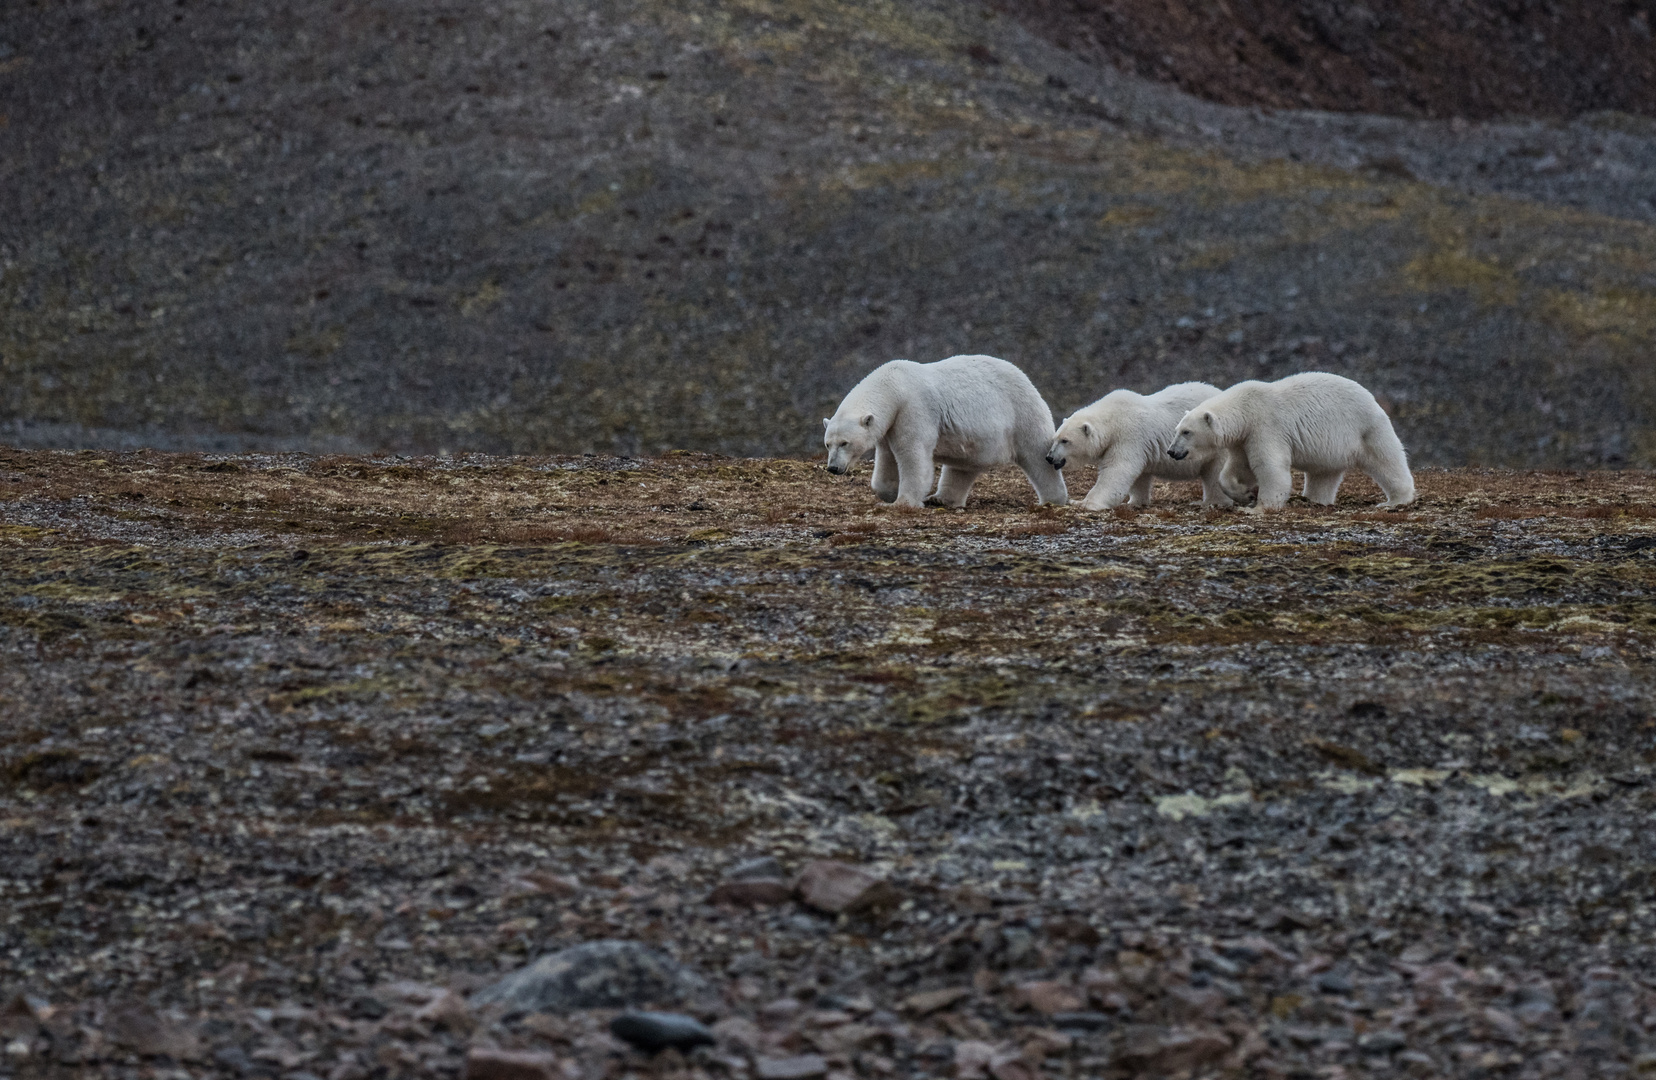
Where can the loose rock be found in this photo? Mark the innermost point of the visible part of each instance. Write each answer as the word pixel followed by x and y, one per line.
pixel 1049 997
pixel 835 887
pixel 1161 1049
pixel 927 1002
pixel 144 1031
pixel 488 1064
pixel 765 867
pixel 800 1067
pixel 751 892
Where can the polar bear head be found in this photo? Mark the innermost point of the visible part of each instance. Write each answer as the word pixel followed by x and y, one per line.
pixel 849 439
pixel 1077 440
pixel 1199 430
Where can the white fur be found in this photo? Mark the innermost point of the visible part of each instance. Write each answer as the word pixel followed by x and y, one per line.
pixel 1127 435
pixel 1318 423
pixel 966 413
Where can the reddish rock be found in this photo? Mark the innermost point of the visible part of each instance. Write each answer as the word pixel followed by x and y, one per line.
pixel 799 1067
pixel 927 1002
pixel 1044 1043
pixel 1195 1003
pixel 739 1033
pixel 972 1058
pixel 835 887
pixel 19 1019
pixel 781 1011
pixel 144 1031
pixel 1170 1049
pixel 751 892
pixel 1049 996
pixel 446 1009
pixel 486 1064
pixel 1012 1066
pixel 551 884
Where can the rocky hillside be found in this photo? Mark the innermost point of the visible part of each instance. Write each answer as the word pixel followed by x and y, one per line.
pixel 1475 59
pixel 634 226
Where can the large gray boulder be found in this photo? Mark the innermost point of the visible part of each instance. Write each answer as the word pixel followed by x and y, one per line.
pixel 595 975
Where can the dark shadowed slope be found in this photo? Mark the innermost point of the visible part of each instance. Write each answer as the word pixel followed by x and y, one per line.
pixel 1481 59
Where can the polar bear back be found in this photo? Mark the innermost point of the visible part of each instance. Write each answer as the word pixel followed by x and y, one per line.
pixel 1327 419
pixel 1139 426
pixel 981 410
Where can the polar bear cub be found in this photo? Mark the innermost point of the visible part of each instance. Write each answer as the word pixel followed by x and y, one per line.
pixel 1127 435
pixel 966 413
pixel 1319 423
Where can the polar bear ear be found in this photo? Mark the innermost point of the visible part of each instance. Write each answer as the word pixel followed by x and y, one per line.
pixel 1207 418
pixel 826 420
pixel 868 421
pixel 1086 431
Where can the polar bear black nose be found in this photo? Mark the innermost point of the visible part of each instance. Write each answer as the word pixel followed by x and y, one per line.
pixel 1055 461
pixel 836 470
pixel 1178 455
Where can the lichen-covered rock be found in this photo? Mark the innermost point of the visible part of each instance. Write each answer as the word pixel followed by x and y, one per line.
pixel 595 975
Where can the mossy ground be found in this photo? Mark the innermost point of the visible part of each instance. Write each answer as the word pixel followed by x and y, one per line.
pixel 302 694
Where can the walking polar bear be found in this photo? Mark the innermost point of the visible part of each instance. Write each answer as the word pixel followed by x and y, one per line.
pixel 1320 423
pixel 1127 436
pixel 967 413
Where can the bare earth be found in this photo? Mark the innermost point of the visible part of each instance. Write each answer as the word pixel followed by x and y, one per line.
pixel 288 744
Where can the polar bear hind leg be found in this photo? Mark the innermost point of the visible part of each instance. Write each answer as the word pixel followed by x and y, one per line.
pixel 885 473
pixel 1321 487
pixel 953 486
pixel 1394 479
pixel 1213 488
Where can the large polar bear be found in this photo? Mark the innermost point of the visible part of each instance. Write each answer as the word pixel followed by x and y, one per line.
pixel 1320 423
pixel 967 413
pixel 1127 435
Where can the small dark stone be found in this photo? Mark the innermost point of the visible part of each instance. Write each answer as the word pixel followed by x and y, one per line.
pixel 1381 1042
pixel 1081 1021
pixel 653 1031
pixel 233 1058
pixel 366 1008
pixel 1334 982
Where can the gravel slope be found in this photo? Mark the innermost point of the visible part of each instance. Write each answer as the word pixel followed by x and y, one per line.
pixel 634 226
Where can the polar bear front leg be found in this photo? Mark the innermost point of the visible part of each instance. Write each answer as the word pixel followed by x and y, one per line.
pixel 914 474
pixel 1047 481
pixel 1140 493
pixel 1112 488
pixel 1322 487
pixel 1272 468
pixel 885 472
pixel 953 485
